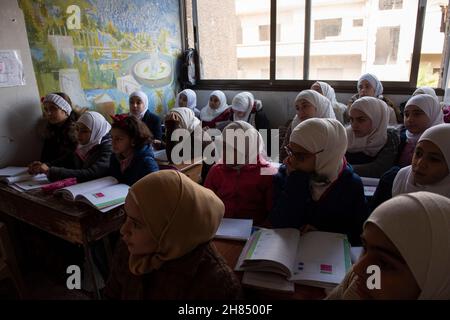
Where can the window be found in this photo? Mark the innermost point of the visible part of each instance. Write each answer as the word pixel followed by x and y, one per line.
pixel 317 40
pixel 386 46
pixel 390 4
pixel 432 45
pixel 234 38
pixel 358 22
pixel 264 33
pixel 327 28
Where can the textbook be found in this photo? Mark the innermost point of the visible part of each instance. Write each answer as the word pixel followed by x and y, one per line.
pixel 234 229
pixel 19 179
pixel 160 155
pixel 370 185
pixel 317 258
pixel 12 171
pixel 103 194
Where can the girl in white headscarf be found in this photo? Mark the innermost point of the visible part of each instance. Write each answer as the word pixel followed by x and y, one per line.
pixel 426 90
pixel 184 118
pixel 217 112
pixel 138 103
pixel 411 267
pixel 422 111
pixel 188 99
pixel 315 188
pixel 91 158
pixel 372 148
pixel 243 178
pixel 326 90
pixel 430 166
pixel 369 85
pixel 308 104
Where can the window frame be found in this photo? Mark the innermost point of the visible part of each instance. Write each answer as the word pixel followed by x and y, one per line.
pixel 273 84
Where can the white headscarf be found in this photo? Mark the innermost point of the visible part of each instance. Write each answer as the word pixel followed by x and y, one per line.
pixel 188 119
pixel 327 138
pixel 256 151
pixel 327 91
pixel 324 108
pixel 207 113
pixel 99 128
pixel 59 101
pixel 404 181
pixel 242 102
pixel 374 82
pixel 191 99
pixel 144 99
pixel 377 111
pixel 426 90
pixel 418 225
pixel 430 106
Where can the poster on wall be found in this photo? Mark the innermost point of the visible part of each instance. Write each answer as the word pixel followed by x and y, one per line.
pixel 11 69
pixel 100 51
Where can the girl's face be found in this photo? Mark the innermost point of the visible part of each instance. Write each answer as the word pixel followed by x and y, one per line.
pixel 416 121
pixel 428 164
pixel 83 134
pixel 134 231
pixel 182 101
pixel 397 281
pixel 240 114
pixel 136 105
pixel 214 102
pixel 316 87
pixel 305 109
pixel 299 158
pixel 360 122
pixel 121 142
pixel 53 114
pixel 365 89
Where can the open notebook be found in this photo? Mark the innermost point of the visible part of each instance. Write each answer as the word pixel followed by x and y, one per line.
pixel 20 180
pixel 370 185
pixel 103 194
pixel 317 258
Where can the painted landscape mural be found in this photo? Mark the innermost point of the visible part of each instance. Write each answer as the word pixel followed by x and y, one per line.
pixel 99 51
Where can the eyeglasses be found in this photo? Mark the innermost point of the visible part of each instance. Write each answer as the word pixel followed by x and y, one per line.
pixel 300 156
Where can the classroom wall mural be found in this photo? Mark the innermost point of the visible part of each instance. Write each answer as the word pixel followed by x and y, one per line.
pixel 99 51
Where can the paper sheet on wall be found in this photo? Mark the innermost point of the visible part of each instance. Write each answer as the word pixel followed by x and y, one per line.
pixel 11 69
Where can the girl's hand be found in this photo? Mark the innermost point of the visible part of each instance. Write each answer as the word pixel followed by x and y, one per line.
pixel 34 167
pixel 43 168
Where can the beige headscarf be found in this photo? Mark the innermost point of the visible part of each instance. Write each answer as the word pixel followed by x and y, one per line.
pixel 188 119
pixel 328 139
pixel 256 148
pixel 324 108
pixel 179 214
pixel 404 180
pixel 377 111
pixel 426 216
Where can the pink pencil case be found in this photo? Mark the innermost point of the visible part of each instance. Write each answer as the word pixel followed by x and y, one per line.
pixel 50 187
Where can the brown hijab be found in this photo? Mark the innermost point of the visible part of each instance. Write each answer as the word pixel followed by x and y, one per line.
pixel 179 214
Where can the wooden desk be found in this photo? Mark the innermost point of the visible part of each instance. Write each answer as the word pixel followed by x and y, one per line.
pixel 75 222
pixel 231 250
pixel 192 170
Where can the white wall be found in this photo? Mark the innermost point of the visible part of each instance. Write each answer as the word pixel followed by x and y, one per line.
pixel 19 106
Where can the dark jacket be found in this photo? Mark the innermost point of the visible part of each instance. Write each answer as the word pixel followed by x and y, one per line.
pixel 384 188
pixel 153 122
pixel 201 274
pixel 95 166
pixel 60 141
pixel 341 209
pixel 374 167
pixel 143 163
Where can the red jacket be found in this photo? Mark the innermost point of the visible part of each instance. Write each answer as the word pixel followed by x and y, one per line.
pixel 246 193
pixel 223 117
